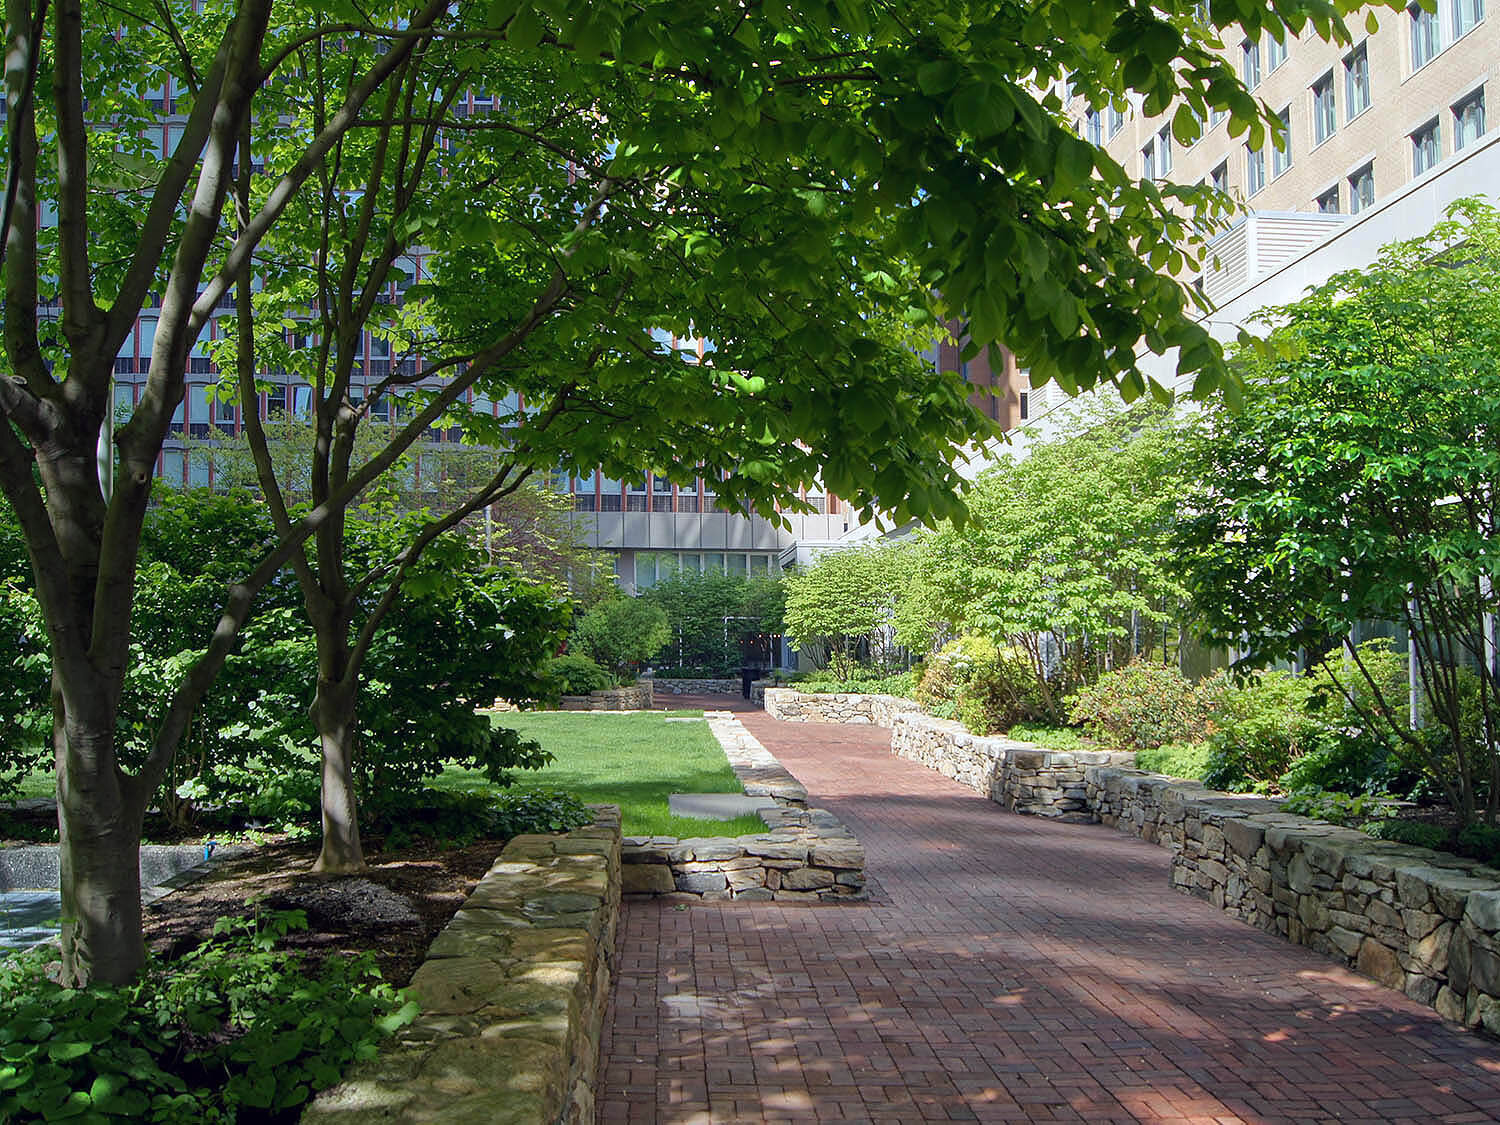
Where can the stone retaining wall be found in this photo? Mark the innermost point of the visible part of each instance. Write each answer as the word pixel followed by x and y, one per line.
pixel 513 995
pixel 836 707
pixel 675 686
pixel 633 697
pixel 806 855
pixel 1019 775
pixel 1424 922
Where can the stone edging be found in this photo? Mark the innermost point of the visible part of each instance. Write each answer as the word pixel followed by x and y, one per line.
pixel 1423 922
pixel 677 685
pixel 513 995
pixel 632 697
pixel 806 856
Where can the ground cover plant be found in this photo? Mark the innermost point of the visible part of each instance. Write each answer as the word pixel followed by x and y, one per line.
pixel 630 760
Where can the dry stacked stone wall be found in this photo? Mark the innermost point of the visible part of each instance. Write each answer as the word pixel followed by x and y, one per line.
pixel 805 854
pixel 678 686
pixel 1424 922
pixel 836 707
pixel 513 995
pixel 633 697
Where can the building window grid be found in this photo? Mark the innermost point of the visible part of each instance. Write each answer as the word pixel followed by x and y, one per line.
pixel 1356 82
pixel 1426 36
pixel 1093 127
pixel 1466 14
pixel 1219 178
pixel 1281 152
pixel 1426 148
pixel 1255 170
pixel 1250 63
pixel 1164 150
pixel 1328 202
pixel 1325 109
pixel 1362 189
pixel 1148 161
pixel 1276 53
pixel 1468 120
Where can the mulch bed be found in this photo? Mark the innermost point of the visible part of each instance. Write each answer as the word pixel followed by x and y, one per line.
pixel 394 909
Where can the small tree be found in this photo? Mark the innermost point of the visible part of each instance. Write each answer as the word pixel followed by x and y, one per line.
pixel 623 633
pixel 1070 557
pixel 1360 483
pixel 710 613
pixel 841 609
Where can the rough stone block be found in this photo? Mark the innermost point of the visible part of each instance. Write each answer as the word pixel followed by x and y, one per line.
pixel 646 878
pixel 806 879
pixel 703 883
pixel 1483 911
pixel 1379 963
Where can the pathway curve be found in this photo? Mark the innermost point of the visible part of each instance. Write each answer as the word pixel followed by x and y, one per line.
pixel 1007 969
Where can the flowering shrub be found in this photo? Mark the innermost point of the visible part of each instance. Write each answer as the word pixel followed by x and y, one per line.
pixel 1145 705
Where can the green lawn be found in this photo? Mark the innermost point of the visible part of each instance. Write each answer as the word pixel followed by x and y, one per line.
pixel 40 784
pixel 632 761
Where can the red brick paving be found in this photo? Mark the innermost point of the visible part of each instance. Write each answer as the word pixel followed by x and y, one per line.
pixel 1007 969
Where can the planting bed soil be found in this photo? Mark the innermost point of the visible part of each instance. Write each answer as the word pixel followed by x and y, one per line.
pixel 394 909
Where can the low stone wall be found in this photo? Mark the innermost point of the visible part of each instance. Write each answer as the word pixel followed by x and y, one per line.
pixel 513 995
pixel 633 697
pixel 806 855
pixel 1019 775
pixel 674 686
pixel 836 707
pixel 1424 922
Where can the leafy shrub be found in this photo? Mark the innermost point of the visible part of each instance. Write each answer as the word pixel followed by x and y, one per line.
pixel 25 674
pixel 1335 808
pixel 868 683
pixel 1053 738
pixel 1145 704
pixel 1418 833
pixel 950 671
pixel 451 819
pixel 1480 841
pixel 1343 762
pixel 1260 727
pixel 621 633
pixel 575 674
pixel 985 688
pixel 1188 760
pixel 233 1028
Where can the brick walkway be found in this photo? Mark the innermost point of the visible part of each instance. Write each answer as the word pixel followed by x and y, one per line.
pixel 1007 969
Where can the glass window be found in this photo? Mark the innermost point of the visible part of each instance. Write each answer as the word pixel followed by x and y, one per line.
pixel 198 470
pixel 1116 121
pixel 1148 161
pixel 1325 111
pixel 1250 63
pixel 691 563
pixel 1281 151
pixel 1093 127
pixel 173 467
pixel 1255 170
pixel 1426 148
pixel 275 401
pixel 301 401
pixel 1362 189
pixel 224 412
pixel 1468 120
pixel 1276 52
pixel 1218 179
pixel 713 563
pixel 1466 13
pixel 736 564
pixel 1164 150
pixel 760 564
pixel 1328 202
pixel 1356 83
pixel 124 401
pixel 645 570
pixel 1425 41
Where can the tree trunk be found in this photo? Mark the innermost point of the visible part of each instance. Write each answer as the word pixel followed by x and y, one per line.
pixel 334 716
pixel 99 837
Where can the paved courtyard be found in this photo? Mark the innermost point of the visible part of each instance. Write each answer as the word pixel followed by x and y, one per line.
pixel 1006 969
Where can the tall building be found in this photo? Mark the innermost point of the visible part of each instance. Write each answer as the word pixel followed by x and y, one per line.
pixel 1360 121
